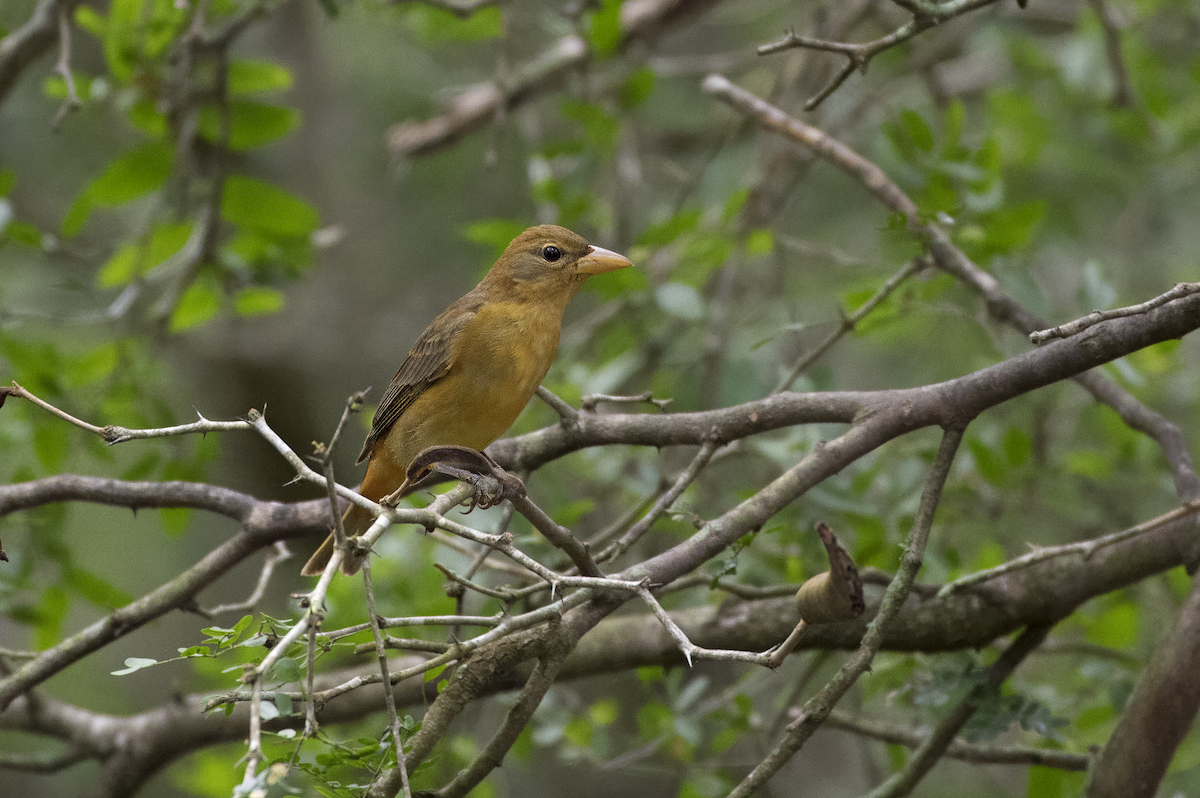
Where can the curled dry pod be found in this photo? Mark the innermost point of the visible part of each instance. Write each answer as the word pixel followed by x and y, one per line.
pixel 835 595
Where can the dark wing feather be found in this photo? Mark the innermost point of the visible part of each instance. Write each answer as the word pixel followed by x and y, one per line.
pixel 427 363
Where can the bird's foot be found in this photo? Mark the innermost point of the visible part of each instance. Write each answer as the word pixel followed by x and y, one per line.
pixel 492 483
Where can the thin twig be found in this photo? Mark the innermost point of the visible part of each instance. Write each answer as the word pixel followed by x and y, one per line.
pixel 1085 548
pixel 664 502
pixel 850 322
pixel 114 434
pixel 278 553
pixel 557 534
pixel 925 15
pixel 389 698
pixel 63 68
pixel 1096 316
pixel 589 402
pixel 566 413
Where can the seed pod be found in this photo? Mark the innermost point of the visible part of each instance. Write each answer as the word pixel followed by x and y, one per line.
pixel 836 594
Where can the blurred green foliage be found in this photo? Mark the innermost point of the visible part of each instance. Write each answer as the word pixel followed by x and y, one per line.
pixel 221 229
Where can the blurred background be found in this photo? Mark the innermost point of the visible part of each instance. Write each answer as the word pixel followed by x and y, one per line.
pixel 1071 175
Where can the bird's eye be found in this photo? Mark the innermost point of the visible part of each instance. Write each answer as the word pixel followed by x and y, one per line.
pixel 551 253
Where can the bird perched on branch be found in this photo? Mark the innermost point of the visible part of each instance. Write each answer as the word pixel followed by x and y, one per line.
pixel 476 366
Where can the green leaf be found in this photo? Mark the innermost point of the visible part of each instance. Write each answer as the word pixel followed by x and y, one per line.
pixel 8 179
pixel 439 25
pixel 135 664
pixel 24 233
pixel 1096 293
pixel 145 116
pixel 77 215
pixel 251 124
pixel 90 20
pixel 175 519
pixel 1018 447
pixel 659 234
pixel 249 77
pixel 55 87
pixel 760 242
pixel 578 732
pixel 260 206
pixel 197 305
pixel 734 204
pixel 192 652
pixel 604 712
pixel 700 254
pixel 1117 627
pixel 286 670
pixel 917 130
pixel 637 88
pixel 1047 783
pixel 133 260
pixel 50 613
pixel 96 589
pixel 258 301
pixel 138 172
pixel 599 127
pixel 51 443
pixel 604 32
pixel 989 465
pixel 241 626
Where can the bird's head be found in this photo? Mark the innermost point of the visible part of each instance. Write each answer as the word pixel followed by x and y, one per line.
pixel 548 255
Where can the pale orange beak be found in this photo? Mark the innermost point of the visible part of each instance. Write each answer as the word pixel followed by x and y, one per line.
pixel 600 260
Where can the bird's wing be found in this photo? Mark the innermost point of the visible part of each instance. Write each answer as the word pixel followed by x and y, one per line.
pixel 428 362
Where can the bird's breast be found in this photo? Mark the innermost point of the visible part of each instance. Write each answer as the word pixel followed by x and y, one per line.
pixel 496 365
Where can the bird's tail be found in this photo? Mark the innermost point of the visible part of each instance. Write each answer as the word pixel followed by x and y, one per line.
pixel 355 522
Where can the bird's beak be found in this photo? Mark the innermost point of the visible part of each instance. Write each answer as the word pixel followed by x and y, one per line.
pixel 600 260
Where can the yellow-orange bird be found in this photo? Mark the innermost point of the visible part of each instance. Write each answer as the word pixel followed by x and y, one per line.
pixel 476 366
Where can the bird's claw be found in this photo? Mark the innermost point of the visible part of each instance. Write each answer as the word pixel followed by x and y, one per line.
pixel 492 483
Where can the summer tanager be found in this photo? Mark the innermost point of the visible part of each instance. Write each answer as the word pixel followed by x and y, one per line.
pixel 476 366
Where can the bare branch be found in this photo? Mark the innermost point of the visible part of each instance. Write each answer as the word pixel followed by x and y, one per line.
pixel 925 15
pixel 114 434
pixel 590 401
pixel 278 553
pixel 565 412
pixel 389 699
pixel 477 106
pixel 63 68
pixel 22 46
pixel 1085 548
pixel 1096 316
